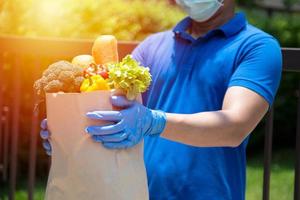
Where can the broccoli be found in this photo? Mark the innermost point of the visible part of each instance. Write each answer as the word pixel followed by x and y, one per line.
pixel 61 76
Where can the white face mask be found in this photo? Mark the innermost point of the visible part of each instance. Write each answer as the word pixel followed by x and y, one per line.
pixel 200 10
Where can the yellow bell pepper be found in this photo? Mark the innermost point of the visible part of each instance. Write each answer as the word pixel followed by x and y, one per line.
pixel 94 83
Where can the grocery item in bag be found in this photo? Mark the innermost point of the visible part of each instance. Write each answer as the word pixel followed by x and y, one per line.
pixel 81 168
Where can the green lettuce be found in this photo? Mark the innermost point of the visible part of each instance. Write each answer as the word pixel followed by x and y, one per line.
pixel 129 76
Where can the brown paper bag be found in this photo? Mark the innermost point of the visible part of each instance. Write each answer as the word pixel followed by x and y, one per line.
pixel 82 169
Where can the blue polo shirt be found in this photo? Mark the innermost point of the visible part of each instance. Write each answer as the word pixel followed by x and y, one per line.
pixel 190 76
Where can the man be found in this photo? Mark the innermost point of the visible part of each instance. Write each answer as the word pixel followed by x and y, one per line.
pixel 214 78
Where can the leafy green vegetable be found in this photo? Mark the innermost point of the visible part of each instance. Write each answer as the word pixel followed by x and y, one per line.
pixel 129 76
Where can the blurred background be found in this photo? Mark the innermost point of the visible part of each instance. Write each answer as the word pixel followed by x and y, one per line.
pixel 134 20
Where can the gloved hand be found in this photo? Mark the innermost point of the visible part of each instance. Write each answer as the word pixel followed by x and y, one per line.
pixel 45 135
pixel 131 124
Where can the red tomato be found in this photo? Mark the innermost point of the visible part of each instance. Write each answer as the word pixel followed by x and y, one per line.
pixel 104 74
pixel 94 69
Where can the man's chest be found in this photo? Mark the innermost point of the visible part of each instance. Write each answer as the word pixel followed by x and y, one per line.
pixel 189 78
pixel 194 65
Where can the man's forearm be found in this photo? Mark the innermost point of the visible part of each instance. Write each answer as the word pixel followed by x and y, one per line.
pixel 207 129
pixel 242 110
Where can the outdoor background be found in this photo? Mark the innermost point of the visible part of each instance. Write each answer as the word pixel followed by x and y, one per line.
pixel 134 20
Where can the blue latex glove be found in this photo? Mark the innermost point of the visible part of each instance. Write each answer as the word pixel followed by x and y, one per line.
pixel 131 124
pixel 45 135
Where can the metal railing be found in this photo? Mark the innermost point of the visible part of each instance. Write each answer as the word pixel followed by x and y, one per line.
pixel 18 55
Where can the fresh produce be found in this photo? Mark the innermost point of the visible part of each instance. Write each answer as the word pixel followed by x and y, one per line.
pixel 61 76
pixel 94 83
pixel 129 76
pixel 105 50
pixel 102 71
pixel 94 69
pixel 83 60
pixel 95 76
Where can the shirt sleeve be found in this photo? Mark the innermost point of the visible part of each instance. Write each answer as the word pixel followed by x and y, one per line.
pixel 140 53
pixel 260 68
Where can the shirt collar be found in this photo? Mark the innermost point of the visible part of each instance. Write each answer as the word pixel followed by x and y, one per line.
pixel 232 27
pixel 235 25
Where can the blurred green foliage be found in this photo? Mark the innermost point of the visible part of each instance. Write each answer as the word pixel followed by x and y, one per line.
pixel 136 19
pixel 285 26
pixel 126 19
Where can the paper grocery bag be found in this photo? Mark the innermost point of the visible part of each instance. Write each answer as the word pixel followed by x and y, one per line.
pixel 82 169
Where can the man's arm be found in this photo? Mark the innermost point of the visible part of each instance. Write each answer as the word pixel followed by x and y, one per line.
pixel 251 90
pixel 242 110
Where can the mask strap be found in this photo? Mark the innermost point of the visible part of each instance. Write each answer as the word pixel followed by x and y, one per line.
pixel 221 2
